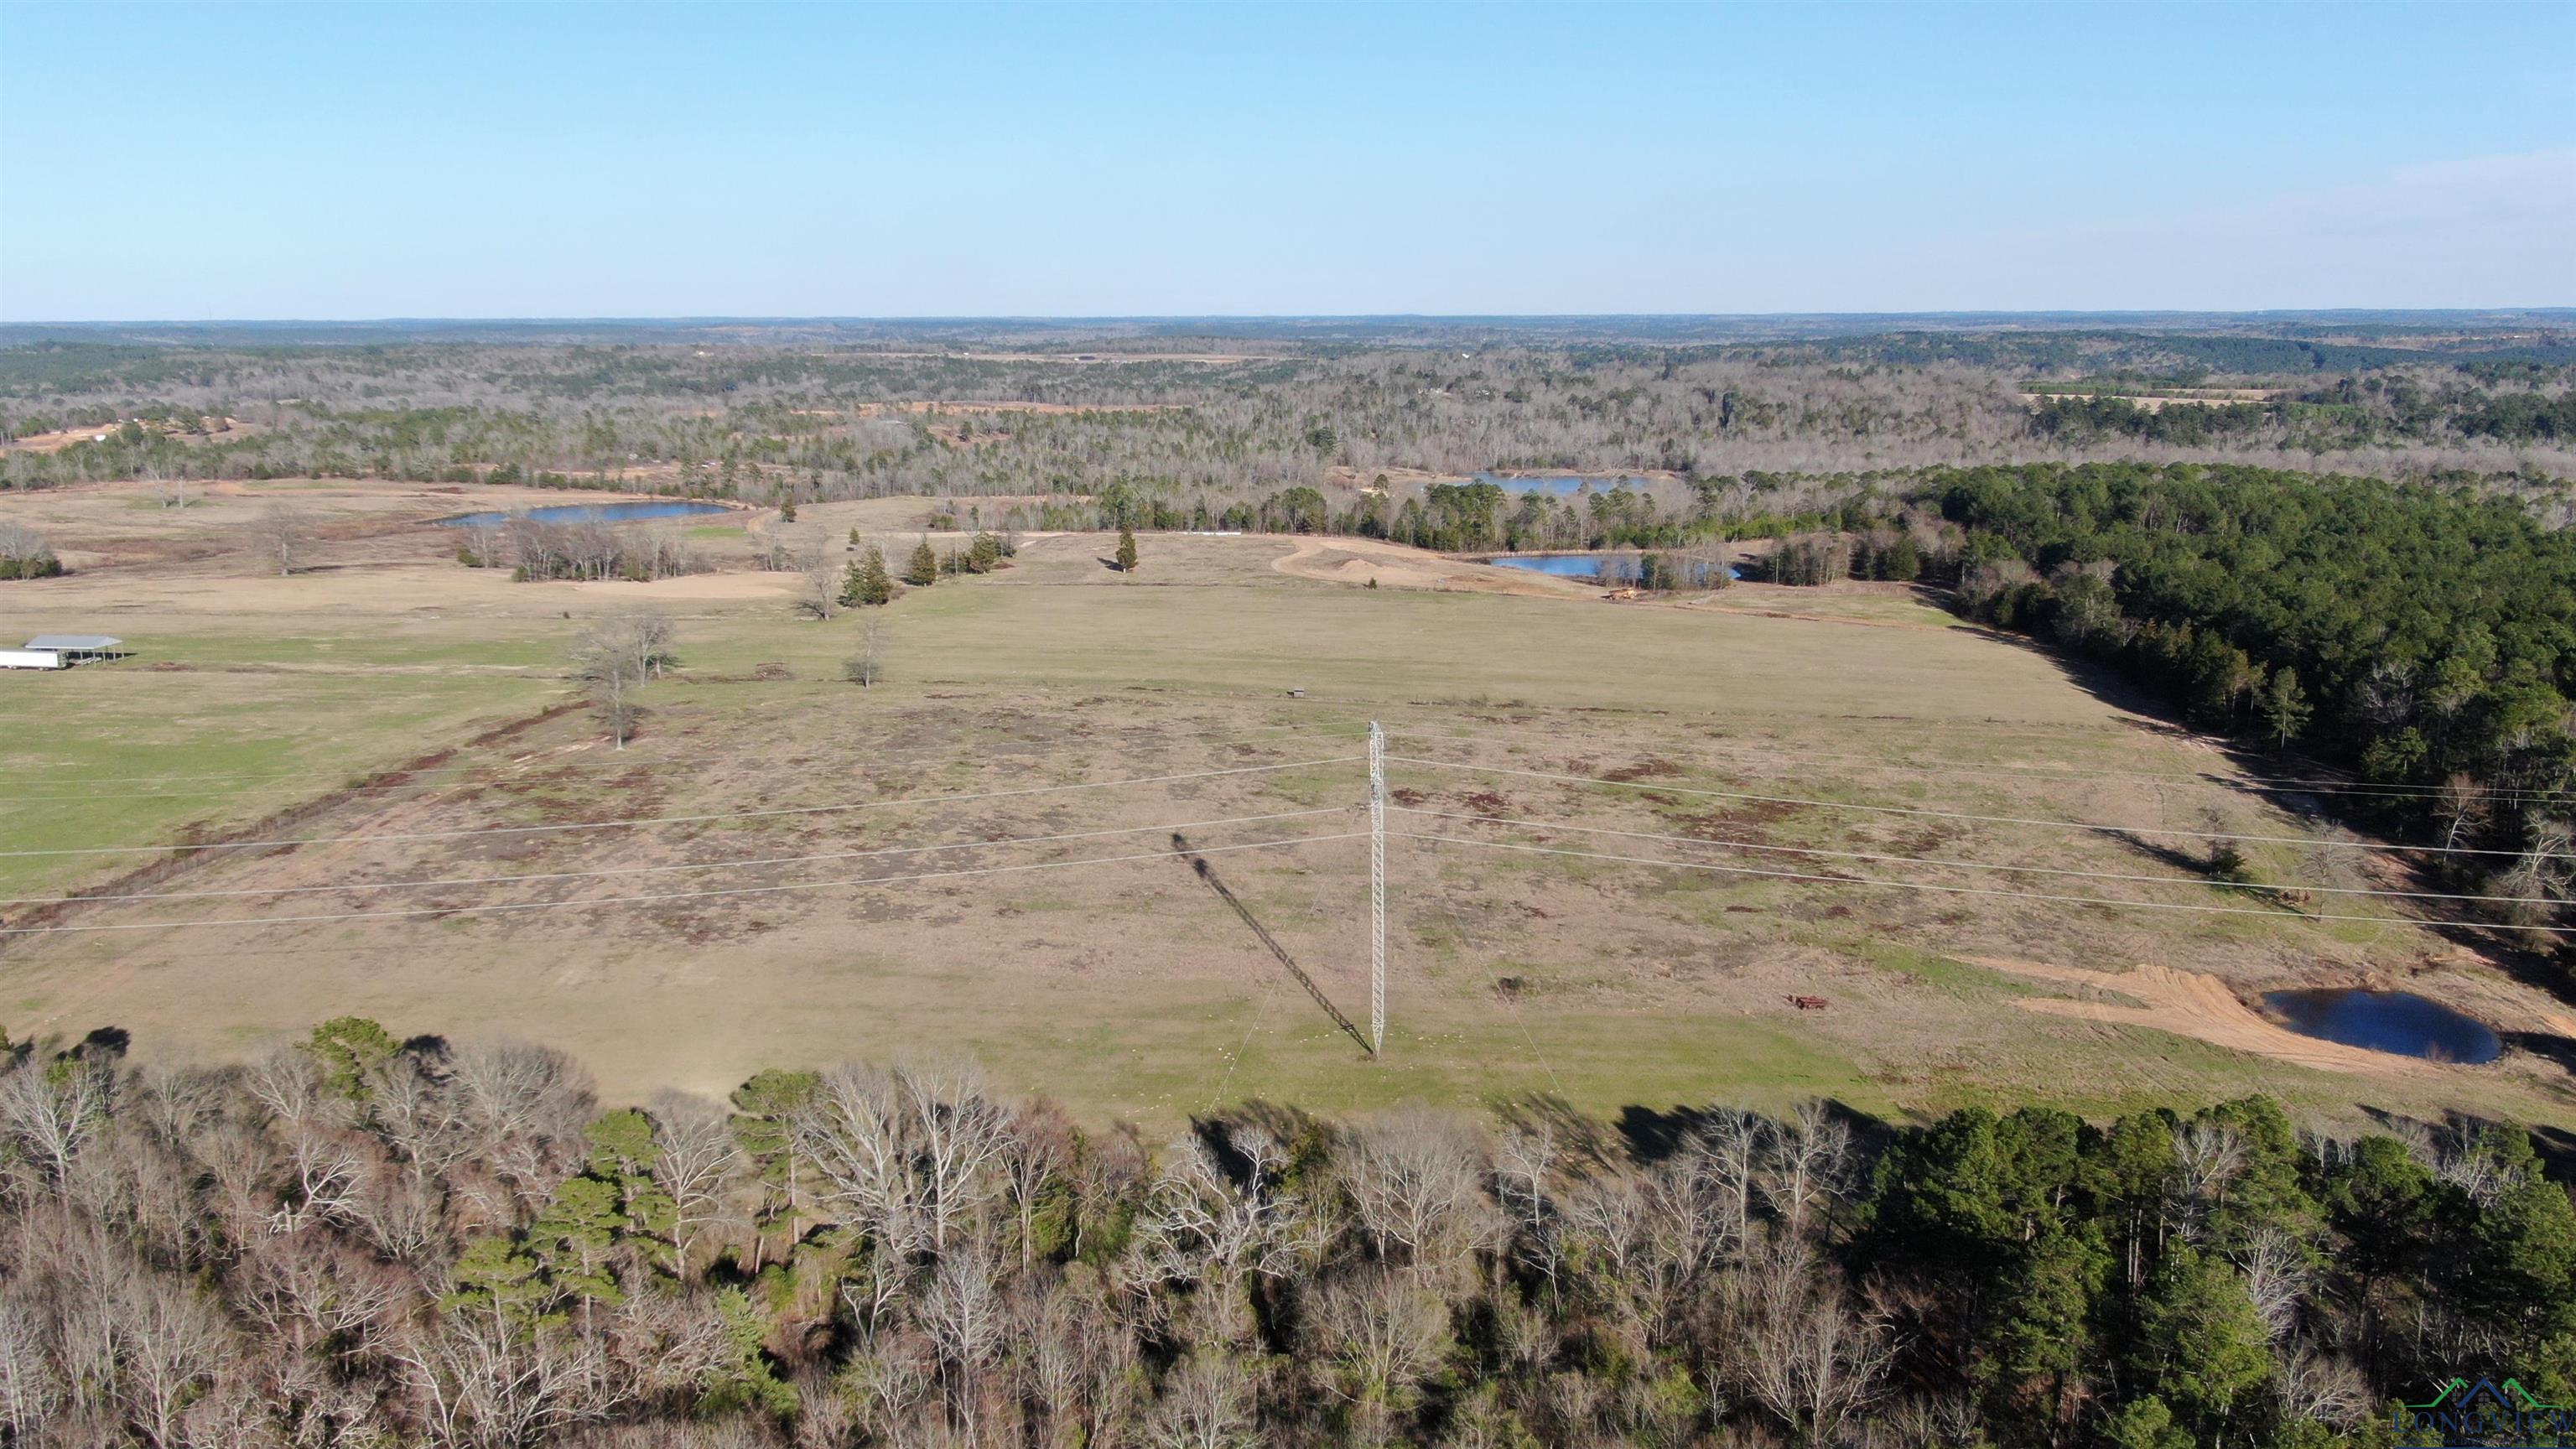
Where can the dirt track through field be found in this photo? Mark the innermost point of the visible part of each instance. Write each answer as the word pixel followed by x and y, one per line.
pixel 2189 1003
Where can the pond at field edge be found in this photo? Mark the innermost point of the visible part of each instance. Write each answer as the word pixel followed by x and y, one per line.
pixel 585 513
pixel 2386 1021
pixel 1560 484
pixel 1606 567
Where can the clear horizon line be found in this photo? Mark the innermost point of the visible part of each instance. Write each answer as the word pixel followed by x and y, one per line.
pixel 2544 310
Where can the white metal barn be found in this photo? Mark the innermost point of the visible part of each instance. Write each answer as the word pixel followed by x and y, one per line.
pixel 62 651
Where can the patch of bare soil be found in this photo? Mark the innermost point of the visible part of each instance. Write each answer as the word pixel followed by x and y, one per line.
pixel 1363 561
pixel 1365 479
pixel 2188 1003
pixel 2194 397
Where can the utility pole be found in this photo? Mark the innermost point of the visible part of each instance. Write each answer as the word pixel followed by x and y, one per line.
pixel 1377 890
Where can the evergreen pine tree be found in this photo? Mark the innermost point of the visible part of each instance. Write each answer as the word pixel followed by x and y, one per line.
pixel 923 571
pixel 348 1048
pixel 497 1276
pixel 2284 707
pixel 573 1237
pixel 866 581
pixel 1126 550
pixel 765 1103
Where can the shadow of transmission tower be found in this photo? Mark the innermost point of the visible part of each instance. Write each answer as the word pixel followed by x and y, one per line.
pixel 1225 893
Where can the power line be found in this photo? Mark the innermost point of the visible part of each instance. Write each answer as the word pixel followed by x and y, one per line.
pixel 1970 864
pixel 2253 783
pixel 854 881
pixel 1941 814
pixel 1856 880
pixel 453 773
pixel 1510 1000
pixel 476 880
pixel 680 819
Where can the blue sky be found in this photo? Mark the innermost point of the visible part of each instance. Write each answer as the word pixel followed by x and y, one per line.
pixel 379 160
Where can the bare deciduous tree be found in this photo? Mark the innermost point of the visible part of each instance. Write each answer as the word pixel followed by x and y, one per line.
pixel 1797 1344
pixel 1416 1178
pixel 613 658
pixel 484 1385
pixel 2277 1277
pixel 1200 1223
pixel 963 1315
pixel 1206 1403
pixel 2328 1391
pixel 818 567
pixel 29 1391
pixel 699 1160
pixel 1383 1334
pixel 867 666
pixel 279 535
pixel 50 1115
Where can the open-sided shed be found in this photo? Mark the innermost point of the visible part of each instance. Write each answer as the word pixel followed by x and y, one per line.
pixel 62 651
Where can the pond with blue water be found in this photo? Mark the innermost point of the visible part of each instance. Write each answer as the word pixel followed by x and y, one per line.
pixel 1608 568
pixel 1562 484
pixel 586 513
pixel 2386 1021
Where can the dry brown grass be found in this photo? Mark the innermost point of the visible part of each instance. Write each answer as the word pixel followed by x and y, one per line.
pixel 1128 987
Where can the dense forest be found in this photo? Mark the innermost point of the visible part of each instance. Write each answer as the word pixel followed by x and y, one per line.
pixel 763 421
pixel 366 1241
pixel 2425 638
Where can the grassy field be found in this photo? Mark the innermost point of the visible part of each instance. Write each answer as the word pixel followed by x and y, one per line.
pixel 1100 968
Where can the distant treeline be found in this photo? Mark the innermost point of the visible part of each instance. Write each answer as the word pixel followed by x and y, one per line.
pixel 1479 517
pixel 773 424
pixel 366 1241
pixel 2181 357
pixel 2348 415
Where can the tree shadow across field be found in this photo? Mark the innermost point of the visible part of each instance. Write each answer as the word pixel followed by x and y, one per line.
pixel 1223 1134
pixel 2096 679
pixel 2552 974
pixel 2555 1146
pixel 1651 1136
pixel 109 1042
pixel 1580 1136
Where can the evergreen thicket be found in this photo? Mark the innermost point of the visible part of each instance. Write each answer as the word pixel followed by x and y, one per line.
pixel 2426 638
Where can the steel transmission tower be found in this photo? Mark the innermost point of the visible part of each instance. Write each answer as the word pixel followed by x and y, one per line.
pixel 1377 890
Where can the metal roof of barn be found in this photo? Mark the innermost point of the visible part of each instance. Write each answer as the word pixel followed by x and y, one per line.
pixel 74 641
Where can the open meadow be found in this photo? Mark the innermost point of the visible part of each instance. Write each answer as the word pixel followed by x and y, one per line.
pixel 977 853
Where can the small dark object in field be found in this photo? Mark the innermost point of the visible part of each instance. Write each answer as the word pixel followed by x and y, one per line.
pixel 1508 985
pixel 1809 1003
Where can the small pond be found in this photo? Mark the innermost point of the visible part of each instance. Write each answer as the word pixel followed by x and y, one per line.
pixel 1561 484
pixel 2386 1021
pixel 1609 568
pixel 587 513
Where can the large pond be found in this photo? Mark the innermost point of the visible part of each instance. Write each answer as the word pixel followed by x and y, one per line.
pixel 2386 1021
pixel 1560 484
pixel 1608 568
pixel 587 513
